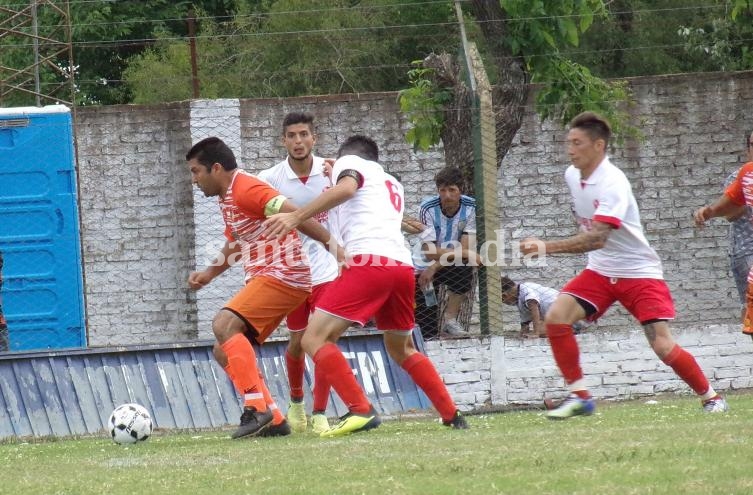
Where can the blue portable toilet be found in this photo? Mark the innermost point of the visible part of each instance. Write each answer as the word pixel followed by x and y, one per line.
pixel 42 291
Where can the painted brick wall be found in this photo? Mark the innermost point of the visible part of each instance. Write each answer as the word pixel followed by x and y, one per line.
pixel 499 371
pixel 136 223
pixel 142 234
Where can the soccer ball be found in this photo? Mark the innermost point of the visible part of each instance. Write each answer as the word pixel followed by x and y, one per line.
pixel 130 423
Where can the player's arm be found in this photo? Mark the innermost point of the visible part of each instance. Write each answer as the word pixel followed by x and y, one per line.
pixel 433 252
pixel 722 207
pixel 310 227
pixel 582 242
pixel 223 261
pixel 537 319
pixel 278 225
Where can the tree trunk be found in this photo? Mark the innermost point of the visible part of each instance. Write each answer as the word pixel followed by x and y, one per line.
pixel 509 96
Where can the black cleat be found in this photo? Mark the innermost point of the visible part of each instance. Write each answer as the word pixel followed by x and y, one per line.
pixel 457 422
pixel 281 430
pixel 253 423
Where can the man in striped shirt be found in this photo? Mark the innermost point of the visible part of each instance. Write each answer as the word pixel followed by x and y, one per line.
pixel 451 220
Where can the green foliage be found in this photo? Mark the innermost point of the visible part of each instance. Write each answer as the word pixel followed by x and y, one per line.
pixel 423 105
pixel 279 48
pixel 572 89
pixel 724 43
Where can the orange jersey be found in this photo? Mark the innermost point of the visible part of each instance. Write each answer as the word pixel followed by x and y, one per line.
pixel 740 191
pixel 243 212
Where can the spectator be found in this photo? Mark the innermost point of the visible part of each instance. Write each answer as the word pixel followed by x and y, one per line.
pixel 451 218
pixel 533 301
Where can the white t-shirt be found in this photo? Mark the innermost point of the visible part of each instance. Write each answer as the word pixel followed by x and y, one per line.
pixel 369 222
pixel 283 178
pixel 606 196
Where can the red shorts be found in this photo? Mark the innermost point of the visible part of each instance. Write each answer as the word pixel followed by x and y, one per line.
pixel 646 299
pixel 373 286
pixel 263 303
pixel 299 318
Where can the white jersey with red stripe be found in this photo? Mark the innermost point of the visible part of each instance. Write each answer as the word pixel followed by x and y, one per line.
pixel 606 196
pixel 369 222
pixel 283 178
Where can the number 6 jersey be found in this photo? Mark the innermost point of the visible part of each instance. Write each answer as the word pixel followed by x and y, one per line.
pixel 369 222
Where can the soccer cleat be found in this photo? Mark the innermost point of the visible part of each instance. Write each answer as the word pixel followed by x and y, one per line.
pixel 457 422
pixel 572 406
pixel 253 423
pixel 297 416
pixel 319 423
pixel 279 430
pixel 453 328
pixel 353 423
pixel 715 405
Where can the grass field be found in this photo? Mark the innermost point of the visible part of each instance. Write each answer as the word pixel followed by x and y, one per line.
pixel 669 447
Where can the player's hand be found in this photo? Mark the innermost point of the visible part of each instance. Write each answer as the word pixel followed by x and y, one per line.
pixel 412 226
pixel 328 164
pixel 532 245
pixel 700 216
pixel 279 225
pixel 342 259
pixel 197 280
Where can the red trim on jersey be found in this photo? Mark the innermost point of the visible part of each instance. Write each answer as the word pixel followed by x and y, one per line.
pixel 614 222
pixel 304 179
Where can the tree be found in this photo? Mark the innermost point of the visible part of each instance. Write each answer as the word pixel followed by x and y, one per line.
pixel 282 48
pixel 523 42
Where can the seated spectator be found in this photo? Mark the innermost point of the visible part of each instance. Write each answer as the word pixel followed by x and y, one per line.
pixel 446 244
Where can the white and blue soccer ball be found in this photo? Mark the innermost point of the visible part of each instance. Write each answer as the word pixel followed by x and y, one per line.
pixel 130 423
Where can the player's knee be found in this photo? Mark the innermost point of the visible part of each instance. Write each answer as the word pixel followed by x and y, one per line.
pixel 225 324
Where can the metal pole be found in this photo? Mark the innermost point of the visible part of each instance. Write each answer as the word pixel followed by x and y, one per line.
pixel 466 49
pixel 192 48
pixel 35 41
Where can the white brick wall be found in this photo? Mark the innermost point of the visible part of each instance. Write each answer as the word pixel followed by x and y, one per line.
pixel 618 365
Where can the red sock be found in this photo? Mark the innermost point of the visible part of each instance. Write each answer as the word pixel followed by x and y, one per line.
pixel 243 371
pixel 422 371
pixel 277 416
pixel 296 367
pixel 565 351
pixel 338 373
pixel 321 390
pixel 687 368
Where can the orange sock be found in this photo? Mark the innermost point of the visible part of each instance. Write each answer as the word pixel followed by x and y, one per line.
pixel 277 416
pixel 243 371
pixel 422 371
pixel 335 367
pixel 296 367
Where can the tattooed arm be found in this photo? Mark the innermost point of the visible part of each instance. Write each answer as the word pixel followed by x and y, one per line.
pixel 582 242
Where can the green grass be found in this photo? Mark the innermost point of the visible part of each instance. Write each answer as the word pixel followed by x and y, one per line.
pixel 626 448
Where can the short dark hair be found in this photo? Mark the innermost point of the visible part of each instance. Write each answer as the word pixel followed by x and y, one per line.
pixel 508 284
pixel 593 124
pixel 212 150
pixel 298 118
pixel 449 176
pixel 361 146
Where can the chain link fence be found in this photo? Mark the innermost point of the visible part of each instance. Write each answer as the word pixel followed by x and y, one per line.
pixel 135 227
